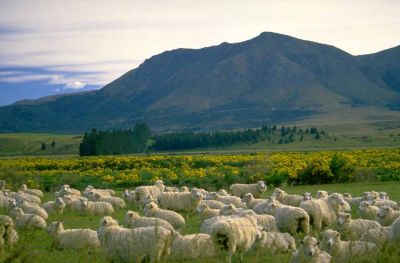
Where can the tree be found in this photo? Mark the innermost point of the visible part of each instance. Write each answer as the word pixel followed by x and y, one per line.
pixel 43 147
pixel 53 144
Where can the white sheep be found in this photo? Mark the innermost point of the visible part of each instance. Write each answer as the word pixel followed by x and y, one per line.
pixel 236 201
pixel 95 208
pixel 368 211
pixel 133 244
pixel 353 229
pixel 8 236
pixel 222 192
pixel 386 215
pixel 192 247
pixel 384 196
pixel 321 194
pixel 73 203
pixel 90 190
pixel 171 189
pixel 129 197
pixel 275 242
pixel 213 204
pixel 309 252
pixel 307 196
pixel 345 251
pixel 54 207
pixel 134 220
pixel 206 212
pixel 250 201
pixel 35 192
pixel 377 236
pixel 354 202
pixel 184 189
pixel 394 232
pixel 181 201
pixel 31 208
pixel 234 234
pixel 286 199
pixel 256 189
pixel 67 190
pixel 74 239
pixel 28 221
pixel 142 193
pixel 380 203
pixel 175 219
pixel 323 212
pixel 116 202
pixel 7 203
pixel 21 196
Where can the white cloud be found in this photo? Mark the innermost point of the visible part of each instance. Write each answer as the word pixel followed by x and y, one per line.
pixel 75 85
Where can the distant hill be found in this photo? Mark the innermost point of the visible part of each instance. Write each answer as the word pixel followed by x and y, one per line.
pixel 272 77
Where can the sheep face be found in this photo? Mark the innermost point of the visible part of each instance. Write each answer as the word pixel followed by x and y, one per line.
pixel 202 207
pixel 196 194
pixel 385 211
pixel 185 189
pixel 384 195
pixel 336 199
pixel 212 196
pixel 84 202
pixel 55 227
pixel 347 195
pixel 150 206
pixel 307 196
pixel 278 193
pixel 262 187
pixel 108 221
pixel 343 218
pixel 247 198
pixel 330 239
pixel 227 210
pixel 309 246
pixel 59 201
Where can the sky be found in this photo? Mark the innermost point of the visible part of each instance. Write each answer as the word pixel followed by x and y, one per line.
pixel 51 47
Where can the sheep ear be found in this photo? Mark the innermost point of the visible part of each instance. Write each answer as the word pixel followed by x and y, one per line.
pixel 318 242
pixel 348 215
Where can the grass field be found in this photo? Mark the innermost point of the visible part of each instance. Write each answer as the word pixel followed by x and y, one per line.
pixel 38 246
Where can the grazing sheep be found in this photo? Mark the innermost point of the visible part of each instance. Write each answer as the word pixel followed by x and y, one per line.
pixel 354 202
pixel 54 207
pixel 35 192
pixel 321 194
pixel 171 189
pixel 116 202
pixel 386 215
pixel 261 207
pixel 90 190
pixel 213 204
pixel 175 219
pixel 345 251
pixel 28 221
pixel 129 197
pixel 192 247
pixel 144 193
pixel 309 252
pixel 185 189
pixel 206 212
pixel 7 203
pixel 368 211
pixel 236 201
pixel 75 239
pixel 250 201
pixel 323 212
pixel 394 232
pixel 133 244
pixel 21 196
pixel 235 234
pixel 377 236
pixel 8 236
pixel 185 202
pixel 289 218
pixel 286 199
pixel 207 224
pixel 30 208
pixel 73 203
pixel 275 242
pixel 353 229
pixel 381 203
pixel 256 190
pixel 134 220
pixel 222 192
pixel 95 208
pixel 67 190
pixel 228 210
pixel 384 196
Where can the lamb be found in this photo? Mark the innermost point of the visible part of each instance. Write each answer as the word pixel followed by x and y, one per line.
pixel 175 219
pixel 323 212
pixel 142 193
pixel 28 221
pixel 33 209
pixel 206 212
pixel 321 194
pixel 394 232
pixel 35 192
pixel 386 215
pixel 275 242
pixel 309 252
pixel 236 201
pixel 8 236
pixel 235 234
pixel 286 199
pixel 135 244
pixel 213 204
pixel 289 218
pixel 54 207
pixel 250 201
pixel 353 229
pixel 116 202
pixel 256 189
pixel 134 220
pixel 75 239
pixel 377 236
pixel 345 251
pixel 368 211
pixel 185 202
pixel 192 247
pixel 95 208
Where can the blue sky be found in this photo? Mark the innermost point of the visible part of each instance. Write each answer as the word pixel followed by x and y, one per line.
pixel 51 47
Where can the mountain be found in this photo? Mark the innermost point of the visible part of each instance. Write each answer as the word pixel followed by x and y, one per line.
pixel 272 77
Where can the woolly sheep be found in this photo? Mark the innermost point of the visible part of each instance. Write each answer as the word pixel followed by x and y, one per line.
pixel 184 189
pixel 384 196
pixel 96 208
pixel 235 234
pixel 394 232
pixel 192 247
pixel 275 242
pixel 261 207
pixel 307 196
pixel 171 189
pixel 8 236
pixel 134 220
pixel 75 239
pixel 380 203
pixel 135 244
pixel 175 219
pixel 54 207
pixel 286 199
pixel 377 236
pixel 129 197
pixel 207 224
pixel 213 204
pixel 250 201
pixel 256 189
pixel 309 252
pixel 222 192
pixel 142 193
pixel 90 190
pixel 353 229
pixel 116 202
pixel 368 211
pixel 185 202
pixel 30 208
pixel 345 251
pixel 73 203
pixel 236 201
pixel 322 212
pixel 321 194
pixel 386 215
pixel 28 221
pixel 67 190
pixel 354 202
pixel 35 192
pixel 7 203
pixel 206 212
pixel 21 196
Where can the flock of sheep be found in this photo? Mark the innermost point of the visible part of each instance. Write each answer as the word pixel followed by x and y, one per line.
pixel 231 224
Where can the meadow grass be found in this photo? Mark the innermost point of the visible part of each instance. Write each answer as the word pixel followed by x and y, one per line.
pixel 37 246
